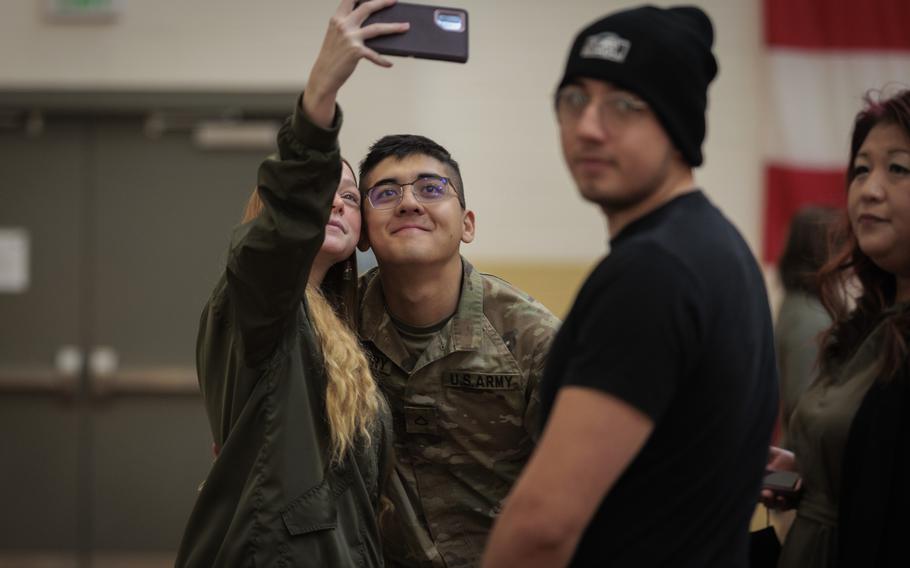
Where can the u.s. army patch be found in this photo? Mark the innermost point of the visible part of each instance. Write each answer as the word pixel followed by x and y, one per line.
pixel 481 381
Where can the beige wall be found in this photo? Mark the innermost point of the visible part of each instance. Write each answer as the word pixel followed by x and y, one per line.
pixel 494 113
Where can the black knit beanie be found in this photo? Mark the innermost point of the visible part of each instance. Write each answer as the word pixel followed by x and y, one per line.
pixel 661 54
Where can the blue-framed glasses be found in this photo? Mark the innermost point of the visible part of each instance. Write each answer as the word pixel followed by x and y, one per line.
pixel 426 189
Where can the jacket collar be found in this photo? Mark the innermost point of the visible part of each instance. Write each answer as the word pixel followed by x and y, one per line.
pixel 463 332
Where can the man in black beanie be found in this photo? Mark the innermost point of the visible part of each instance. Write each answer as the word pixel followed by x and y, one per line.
pixel 660 391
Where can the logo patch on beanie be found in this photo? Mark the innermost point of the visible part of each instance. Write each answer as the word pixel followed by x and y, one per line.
pixel 606 45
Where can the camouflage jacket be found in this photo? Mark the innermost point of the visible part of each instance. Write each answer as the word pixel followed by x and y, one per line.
pixel 465 417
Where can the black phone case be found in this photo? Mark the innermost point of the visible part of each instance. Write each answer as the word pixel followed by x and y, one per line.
pixel 425 39
pixel 782 482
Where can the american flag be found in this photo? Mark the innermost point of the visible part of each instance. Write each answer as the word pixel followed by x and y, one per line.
pixel 823 56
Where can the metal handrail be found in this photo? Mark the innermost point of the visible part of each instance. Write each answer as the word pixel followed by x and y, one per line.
pixel 141 381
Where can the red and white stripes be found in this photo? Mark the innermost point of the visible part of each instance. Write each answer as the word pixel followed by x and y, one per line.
pixel 823 56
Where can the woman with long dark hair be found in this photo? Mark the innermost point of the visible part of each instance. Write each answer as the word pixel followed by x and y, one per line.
pixel 850 432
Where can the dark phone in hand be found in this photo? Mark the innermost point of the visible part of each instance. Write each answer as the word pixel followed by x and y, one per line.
pixel 782 483
pixel 436 32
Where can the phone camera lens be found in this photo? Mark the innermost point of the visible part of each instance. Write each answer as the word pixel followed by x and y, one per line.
pixel 450 21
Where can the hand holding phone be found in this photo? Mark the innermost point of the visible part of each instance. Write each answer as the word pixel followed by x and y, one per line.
pixel 783 483
pixel 785 488
pixel 342 49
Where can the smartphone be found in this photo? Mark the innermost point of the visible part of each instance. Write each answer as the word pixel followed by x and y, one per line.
pixel 783 483
pixel 436 32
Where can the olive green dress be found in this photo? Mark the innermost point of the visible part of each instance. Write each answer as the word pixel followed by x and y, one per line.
pixel 819 428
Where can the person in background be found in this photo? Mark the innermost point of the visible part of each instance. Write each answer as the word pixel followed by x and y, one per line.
pixel 850 431
pixel 302 432
pixel 801 318
pixel 660 391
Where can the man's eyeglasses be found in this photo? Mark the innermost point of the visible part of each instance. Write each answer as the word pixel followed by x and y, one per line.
pixel 426 189
pixel 614 110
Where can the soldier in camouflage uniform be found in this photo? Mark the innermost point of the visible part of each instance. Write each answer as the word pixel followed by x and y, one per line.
pixel 458 353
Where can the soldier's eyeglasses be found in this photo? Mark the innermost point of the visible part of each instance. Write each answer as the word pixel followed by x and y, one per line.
pixel 426 189
pixel 614 111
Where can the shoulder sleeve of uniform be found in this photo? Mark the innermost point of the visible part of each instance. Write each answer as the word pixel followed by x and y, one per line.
pixel 530 327
pixel 544 340
pixel 270 257
pixel 639 324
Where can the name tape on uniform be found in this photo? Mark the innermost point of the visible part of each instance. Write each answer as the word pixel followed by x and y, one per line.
pixel 481 381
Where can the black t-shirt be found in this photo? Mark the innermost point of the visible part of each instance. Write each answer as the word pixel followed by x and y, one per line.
pixel 675 322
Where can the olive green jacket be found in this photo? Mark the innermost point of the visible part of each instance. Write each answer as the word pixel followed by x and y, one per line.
pixel 270 498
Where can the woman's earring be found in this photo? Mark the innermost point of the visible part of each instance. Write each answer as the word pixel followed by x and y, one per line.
pixel 348 271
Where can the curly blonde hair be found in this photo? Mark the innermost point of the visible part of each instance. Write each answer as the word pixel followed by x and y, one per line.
pixel 352 400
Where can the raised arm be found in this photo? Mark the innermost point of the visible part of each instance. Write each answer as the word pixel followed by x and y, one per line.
pixel 271 256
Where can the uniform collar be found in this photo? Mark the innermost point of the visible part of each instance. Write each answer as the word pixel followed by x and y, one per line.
pixel 464 331
pixel 467 324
